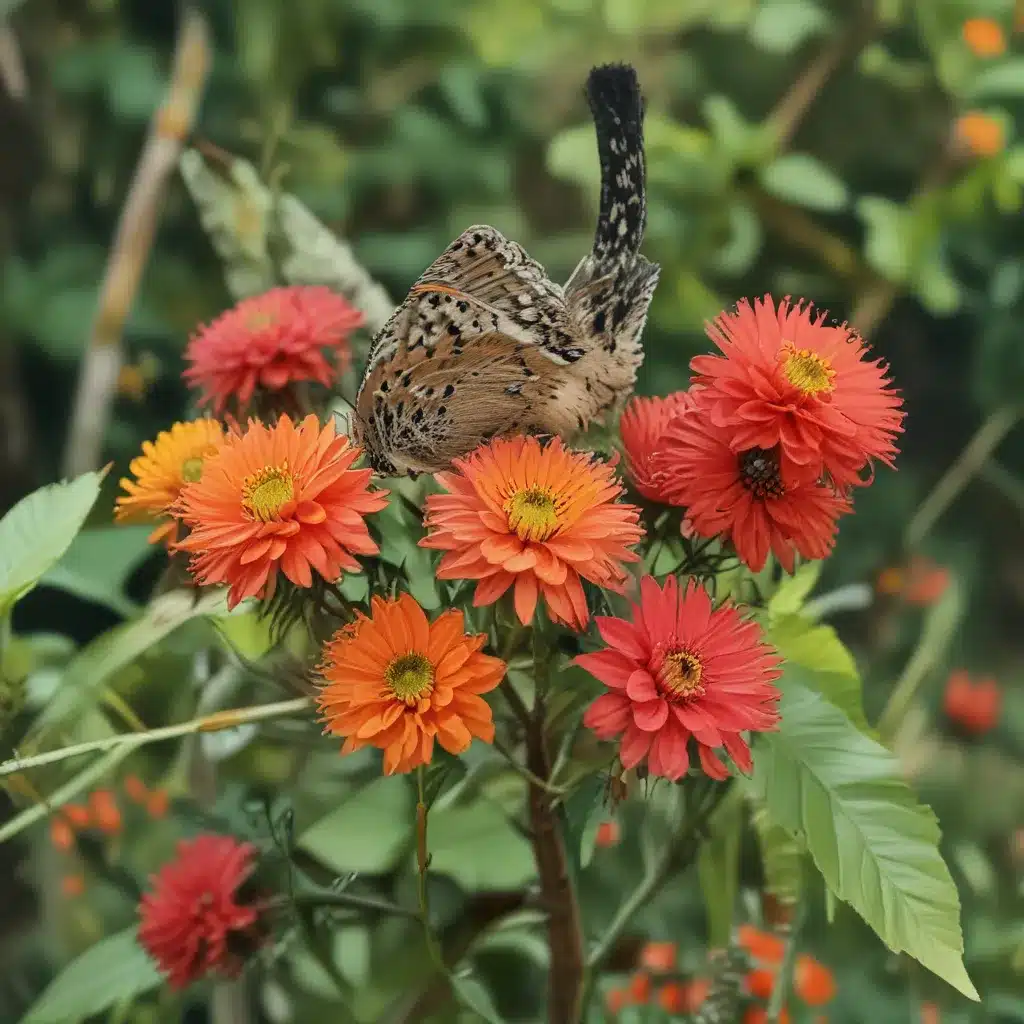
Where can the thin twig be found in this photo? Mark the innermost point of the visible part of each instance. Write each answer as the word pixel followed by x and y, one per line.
pixel 534 780
pixel 97 381
pixel 968 463
pixel 219 720
pixel 351 901
pixel 784 979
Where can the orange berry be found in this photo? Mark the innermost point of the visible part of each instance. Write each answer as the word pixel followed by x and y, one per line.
pixel 135 788
pixel 78 815
pixel 659 956
pixel 61 834
pixel 984 37
pixel 930 1013
pixel 608 833
pixel 760 983
pixel 72 885
pixel 980 133
pixel 813 982
pixel 762 946
pixel 105 811
pixel 156 805
pixel 640 988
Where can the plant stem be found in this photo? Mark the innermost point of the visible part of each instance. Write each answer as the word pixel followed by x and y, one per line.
pixel 534 780
pixel 351 901
pixel 207 723
pixel 968 463
pixel 565 927
pixel 422 864
pixel 784 979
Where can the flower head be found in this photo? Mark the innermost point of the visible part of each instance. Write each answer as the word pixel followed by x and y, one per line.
pixel 974 706
pixel 166 465
pixel 981 134
pixel 787 380
pixel 682 669
pixel 270 341
pixel 539 518
pixel 984 37
pixel 742 496
pixel 642 426
pixel 396 681
pixel 192 921
pixel 281 498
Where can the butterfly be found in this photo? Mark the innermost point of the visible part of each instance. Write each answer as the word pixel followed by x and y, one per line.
pixel 485 344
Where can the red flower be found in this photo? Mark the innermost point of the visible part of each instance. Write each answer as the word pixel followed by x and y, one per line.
pixel 742 496
pixel 763 947
pixel 973 706
pixel 270 341
pixel 642 427
pixel 682 669
pixel 608 833
pixel 659 956
pixel 191 921
pixel 813 981
pixel 683 997
pixel 787 379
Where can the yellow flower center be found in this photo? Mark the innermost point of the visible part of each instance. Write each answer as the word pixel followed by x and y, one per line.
pixel 259 319
pixel 680 674
pixel 759 473
pixel 192 469
pixel 410 677
pixel 532 514
pixel 807 371
pixel 265 492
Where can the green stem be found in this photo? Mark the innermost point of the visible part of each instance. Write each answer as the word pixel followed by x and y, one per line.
pixel 784 979
pixel 351 901
pixel 534 780
pixel 422 864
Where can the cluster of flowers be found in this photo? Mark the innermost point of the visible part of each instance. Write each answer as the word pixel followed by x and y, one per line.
pixel 762 453
pixel 657 980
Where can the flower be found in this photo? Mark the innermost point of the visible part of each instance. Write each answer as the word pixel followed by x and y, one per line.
pixel 541 518
pixel 984 37
pixel 608 833
pixel 157 803
pixel 642 426
pixel 679 669
pixel 396 681
pixel 930 1013
pixel 980 134
pixel 763 947
pixel 281 498
pixel 743 497
pixel 786 379
pixel 759 1015
pixel 683 997
pixel 921 582
pixel 105 812
pixel 812 981
pixel 659 956
pixel 973 706
pixel 192 921
pixel 72 884
pixel 166 465
pixel 760 982
pixel 270 341
pixel 62 835
pixel 79 815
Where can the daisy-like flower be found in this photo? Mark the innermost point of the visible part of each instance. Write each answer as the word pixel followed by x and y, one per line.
pixel 742 496
pixel 165 466
pixel 642 427
pixel 680 670
pixel 539 518
pixel 397 681
pixel 192 920
pixel 270 341
pixel 281 498
pixel 787 379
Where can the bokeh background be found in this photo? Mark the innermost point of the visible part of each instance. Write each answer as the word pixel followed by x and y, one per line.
pixel 866 155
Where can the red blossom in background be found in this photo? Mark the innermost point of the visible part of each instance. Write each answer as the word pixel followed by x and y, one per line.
pixel 786 379
pixel 642 427
pixel 682 669
pixel 974 706
pixel 191 920
pixel 270 341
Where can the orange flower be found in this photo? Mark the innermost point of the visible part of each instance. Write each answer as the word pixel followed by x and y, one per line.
pixel 281 498
pixel 270 341
pixel 762 946
pixel 640 988
pixel 813 982
pixel 61 834
pixel 616 999
pixel 921 582
pixel 760 982
pixel 759 1015
pixel 608 833
pixel 984 37
pixel 105 811
pixel 165 466
pixel 974 706
pixel 684 997
pixel 157 802
pixel 135 788
pixel 78 815
pixel 396 681
pixel 72 885
pixel 659 956
pixel 930 1013
pixel 980 134
pixel 541 518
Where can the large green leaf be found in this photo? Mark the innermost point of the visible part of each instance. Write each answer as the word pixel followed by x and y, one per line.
pixel 805 181
pixel 841 793
pixel 369 832
pixel 114 970
pixel 820 660
pixel 38 530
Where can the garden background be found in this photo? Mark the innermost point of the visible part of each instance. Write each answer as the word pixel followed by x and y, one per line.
pixel 868 155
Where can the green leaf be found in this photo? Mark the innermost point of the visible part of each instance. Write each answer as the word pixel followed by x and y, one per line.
pixel 888 247
pixel 781 857
pixel 718 865
pixel 38 530
pixel 1005 79
pixel 471 993
pixel 114 970
pixel 805 181
pixel 793 591
pixel 477 847
pixel 781 26
pixel 841 793
pixel 369 832
pixel 584 812
pixel 830 668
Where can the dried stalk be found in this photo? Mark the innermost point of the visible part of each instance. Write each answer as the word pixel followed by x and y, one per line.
pixel 133 240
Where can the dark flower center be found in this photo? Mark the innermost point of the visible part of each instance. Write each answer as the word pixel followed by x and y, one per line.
pixel 680 674
pixel 759 471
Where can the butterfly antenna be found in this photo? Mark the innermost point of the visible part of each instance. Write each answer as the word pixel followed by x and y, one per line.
pixel 613 93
